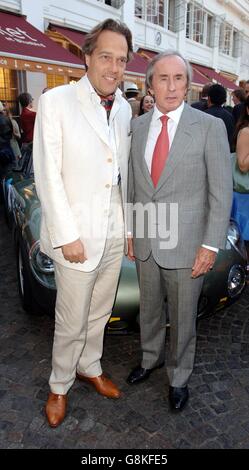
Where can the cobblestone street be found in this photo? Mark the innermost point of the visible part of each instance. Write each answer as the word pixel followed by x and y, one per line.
pixel 217 415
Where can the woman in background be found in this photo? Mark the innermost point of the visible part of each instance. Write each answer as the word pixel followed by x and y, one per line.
pixel 146 104
pixel 240 209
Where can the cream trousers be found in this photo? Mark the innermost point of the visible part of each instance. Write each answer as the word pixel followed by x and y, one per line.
pixel 83 307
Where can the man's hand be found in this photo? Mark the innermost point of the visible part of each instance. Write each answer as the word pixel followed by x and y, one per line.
pixel 74 252
pixel 130 253
pixel 204 261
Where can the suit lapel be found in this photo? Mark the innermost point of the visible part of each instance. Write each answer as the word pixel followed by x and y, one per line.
pixel 116 122
pixel 89 110
pixel 181 143
pixel 142 137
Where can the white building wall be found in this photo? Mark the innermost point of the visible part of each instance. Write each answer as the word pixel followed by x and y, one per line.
pixel 78 14
pixel 199 53
pixel 145 36
pixel 128 16
pixel 34 15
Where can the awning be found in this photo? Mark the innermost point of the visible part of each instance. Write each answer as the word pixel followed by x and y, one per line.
pixel 24 47
pixel 75 37
pixel 211 74
pixel 198 78
pixel 138 65
pixel 148 54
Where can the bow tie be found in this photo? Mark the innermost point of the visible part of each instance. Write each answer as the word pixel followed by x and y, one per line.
pixel 107 102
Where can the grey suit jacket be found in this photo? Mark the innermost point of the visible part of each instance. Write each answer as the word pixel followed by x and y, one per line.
pixel 197 179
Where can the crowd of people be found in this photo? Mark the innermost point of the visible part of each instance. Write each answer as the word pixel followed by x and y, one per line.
pixel 177 154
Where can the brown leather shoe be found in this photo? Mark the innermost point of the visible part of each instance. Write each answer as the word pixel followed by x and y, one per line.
pixel 56 409
pixel 102 385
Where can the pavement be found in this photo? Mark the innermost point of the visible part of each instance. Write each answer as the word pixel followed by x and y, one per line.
pixel 216 417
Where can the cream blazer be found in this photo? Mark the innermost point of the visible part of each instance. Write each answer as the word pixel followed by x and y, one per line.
pixel 73 165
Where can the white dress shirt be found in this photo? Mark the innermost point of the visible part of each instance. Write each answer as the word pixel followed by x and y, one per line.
pixel 154 131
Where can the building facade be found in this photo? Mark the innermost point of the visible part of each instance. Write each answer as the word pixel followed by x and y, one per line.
pixel 41 40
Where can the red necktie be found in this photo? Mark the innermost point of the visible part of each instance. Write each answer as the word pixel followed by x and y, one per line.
pixel 160 153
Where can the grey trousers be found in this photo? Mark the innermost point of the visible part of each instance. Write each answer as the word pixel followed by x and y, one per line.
pixel 182 297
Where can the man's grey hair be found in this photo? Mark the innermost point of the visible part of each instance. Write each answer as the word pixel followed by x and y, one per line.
pixel 167 53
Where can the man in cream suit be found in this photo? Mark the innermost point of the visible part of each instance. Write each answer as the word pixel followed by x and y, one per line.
pixel 180 171
pixel 81 149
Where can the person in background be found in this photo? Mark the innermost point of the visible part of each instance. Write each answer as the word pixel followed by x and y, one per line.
pixel 217 96
pixel 27 118
pixel 247 88
pixel 240 209
pixel 6 133
pixel 238 97
pixel 242 84
pixel 81 149
pixel 202 105
pixel 146 104
pixel 16 136
pixel 131 93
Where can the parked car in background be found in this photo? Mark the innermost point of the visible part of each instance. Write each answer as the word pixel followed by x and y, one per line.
pixel 35 271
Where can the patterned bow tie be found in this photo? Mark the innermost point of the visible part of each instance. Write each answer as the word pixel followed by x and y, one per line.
pixel 107 102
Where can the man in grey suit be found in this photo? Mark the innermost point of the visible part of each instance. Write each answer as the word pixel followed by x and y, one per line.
pixel 180 182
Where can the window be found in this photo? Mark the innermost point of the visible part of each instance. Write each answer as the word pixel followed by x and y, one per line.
pixel 199 24
pixel 237 43
pixel 225 38
pixel 8 84
pixel 176 19
pixel 152 11
pixel 8 88
pixel 229 41
pixel 113 3
pixel 171 15
pixel 209 31
pixel 139 10
pixel 55 80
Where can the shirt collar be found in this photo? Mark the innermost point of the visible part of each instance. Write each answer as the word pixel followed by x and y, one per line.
pixel 174 115
pixel 117 94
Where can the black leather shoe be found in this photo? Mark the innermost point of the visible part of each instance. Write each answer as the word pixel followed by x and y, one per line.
pixel 139 374
pixel 178 397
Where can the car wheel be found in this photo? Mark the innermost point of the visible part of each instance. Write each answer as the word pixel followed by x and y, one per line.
pixel 24 285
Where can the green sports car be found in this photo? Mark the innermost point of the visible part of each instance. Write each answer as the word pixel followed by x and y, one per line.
pixel 35 270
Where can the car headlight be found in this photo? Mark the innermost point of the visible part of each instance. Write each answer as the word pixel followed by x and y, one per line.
pixel 235 240
pixel 236 280
pixel 39 261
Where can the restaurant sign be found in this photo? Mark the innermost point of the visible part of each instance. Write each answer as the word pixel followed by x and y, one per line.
pixel 20 36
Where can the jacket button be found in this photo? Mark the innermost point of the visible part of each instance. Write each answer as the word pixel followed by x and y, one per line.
pixel 107 185
pixel 109 160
